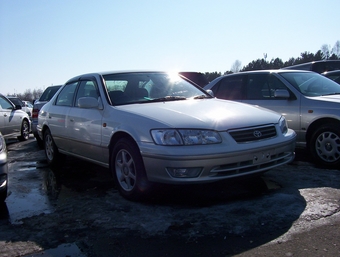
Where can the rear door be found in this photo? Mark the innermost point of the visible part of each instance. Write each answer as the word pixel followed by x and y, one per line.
pixel 85 124
pixel 57 116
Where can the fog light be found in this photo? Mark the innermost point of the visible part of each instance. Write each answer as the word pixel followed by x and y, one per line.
pixel 184 172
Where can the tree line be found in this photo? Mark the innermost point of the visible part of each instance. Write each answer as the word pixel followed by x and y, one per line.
pixel 325 53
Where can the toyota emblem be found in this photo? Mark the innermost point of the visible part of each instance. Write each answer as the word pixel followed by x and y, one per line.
pixel 257 134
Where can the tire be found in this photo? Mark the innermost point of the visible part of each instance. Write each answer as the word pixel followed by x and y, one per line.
pixel 25 131
pixel 325 145
pixel 128 170
pixel 4 190
pixel 40 143
pixel 3 195
pixel 52 154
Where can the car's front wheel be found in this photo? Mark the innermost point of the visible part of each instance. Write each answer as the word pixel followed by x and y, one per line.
pixel 3 192
pixel 128 170
pixel 325 145
pixel 51 151
pixel 25 131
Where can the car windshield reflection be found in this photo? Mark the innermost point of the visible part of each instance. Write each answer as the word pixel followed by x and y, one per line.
pixel 151 87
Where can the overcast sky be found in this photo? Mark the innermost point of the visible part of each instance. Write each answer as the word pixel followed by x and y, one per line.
pixel 45 43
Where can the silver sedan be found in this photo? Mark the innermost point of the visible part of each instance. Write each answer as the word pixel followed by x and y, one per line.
pixel 157 127
pixel 310 102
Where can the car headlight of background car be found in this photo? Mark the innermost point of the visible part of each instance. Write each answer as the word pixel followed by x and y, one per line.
pixel 283 125
pixel 185 137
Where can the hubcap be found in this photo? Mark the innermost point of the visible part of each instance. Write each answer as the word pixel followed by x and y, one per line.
pixel 125 170
pixel 49 147
pixel 327 147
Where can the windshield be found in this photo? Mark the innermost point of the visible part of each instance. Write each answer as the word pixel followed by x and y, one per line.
pixel 127 88
pixel 311 83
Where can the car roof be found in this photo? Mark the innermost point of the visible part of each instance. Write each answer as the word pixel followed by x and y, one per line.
pixel 103 73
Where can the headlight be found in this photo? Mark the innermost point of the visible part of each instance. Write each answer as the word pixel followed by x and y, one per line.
pixel 185 137
pixel 283 125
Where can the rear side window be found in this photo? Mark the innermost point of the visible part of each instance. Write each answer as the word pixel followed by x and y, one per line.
pixel 230 88
pixel 66 96
pixel 49 93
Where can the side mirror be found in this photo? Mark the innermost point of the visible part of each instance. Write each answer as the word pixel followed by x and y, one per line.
pixel 87 102
pixel 210 92
pixel 281 93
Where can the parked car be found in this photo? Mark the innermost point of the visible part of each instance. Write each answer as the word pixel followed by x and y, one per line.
pixel 28 105
pixel 44 98
pixel 151 127
pixel 3 169
pixel 333 75
pixel 316 66
pixel 14 122
pixel 309 101
pixel 196 77
pixel 17 101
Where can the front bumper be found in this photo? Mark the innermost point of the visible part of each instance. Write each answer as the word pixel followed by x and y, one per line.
pixel 215 167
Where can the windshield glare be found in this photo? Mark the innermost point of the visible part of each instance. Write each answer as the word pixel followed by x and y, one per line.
pixel 311 83
pixel 127 88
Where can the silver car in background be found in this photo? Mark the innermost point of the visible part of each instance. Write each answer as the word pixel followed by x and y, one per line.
pixel 14 122
pixel 3 169
pixel 157 127
pixel 310 102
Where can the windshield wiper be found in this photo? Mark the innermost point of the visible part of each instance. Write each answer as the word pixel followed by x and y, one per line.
pixel 331 94
pixel 165 99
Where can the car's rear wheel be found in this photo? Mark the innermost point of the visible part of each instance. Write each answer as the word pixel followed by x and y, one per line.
pixel 51 151
pixel 325 145
pixel 25 131
pixel 128 170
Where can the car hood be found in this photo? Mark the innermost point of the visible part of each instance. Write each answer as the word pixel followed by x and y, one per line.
pixel 204 113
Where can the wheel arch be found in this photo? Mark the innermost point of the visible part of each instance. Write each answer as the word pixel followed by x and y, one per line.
pixel 316 124
pixel 114 139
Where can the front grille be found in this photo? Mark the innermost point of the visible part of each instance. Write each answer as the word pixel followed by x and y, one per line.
pixel 253 133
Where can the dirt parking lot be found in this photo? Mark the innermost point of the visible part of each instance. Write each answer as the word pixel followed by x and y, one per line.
pixel 76 211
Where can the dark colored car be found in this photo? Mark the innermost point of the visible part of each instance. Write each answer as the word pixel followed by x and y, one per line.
pixel 3 169
pixel 44 98
pixel 317 66
pixel 333 75
pixel 309 101
pixel 197 77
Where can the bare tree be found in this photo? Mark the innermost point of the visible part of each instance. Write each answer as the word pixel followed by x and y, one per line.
pixel 326 51
pixel 236 67
pixel 336 49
